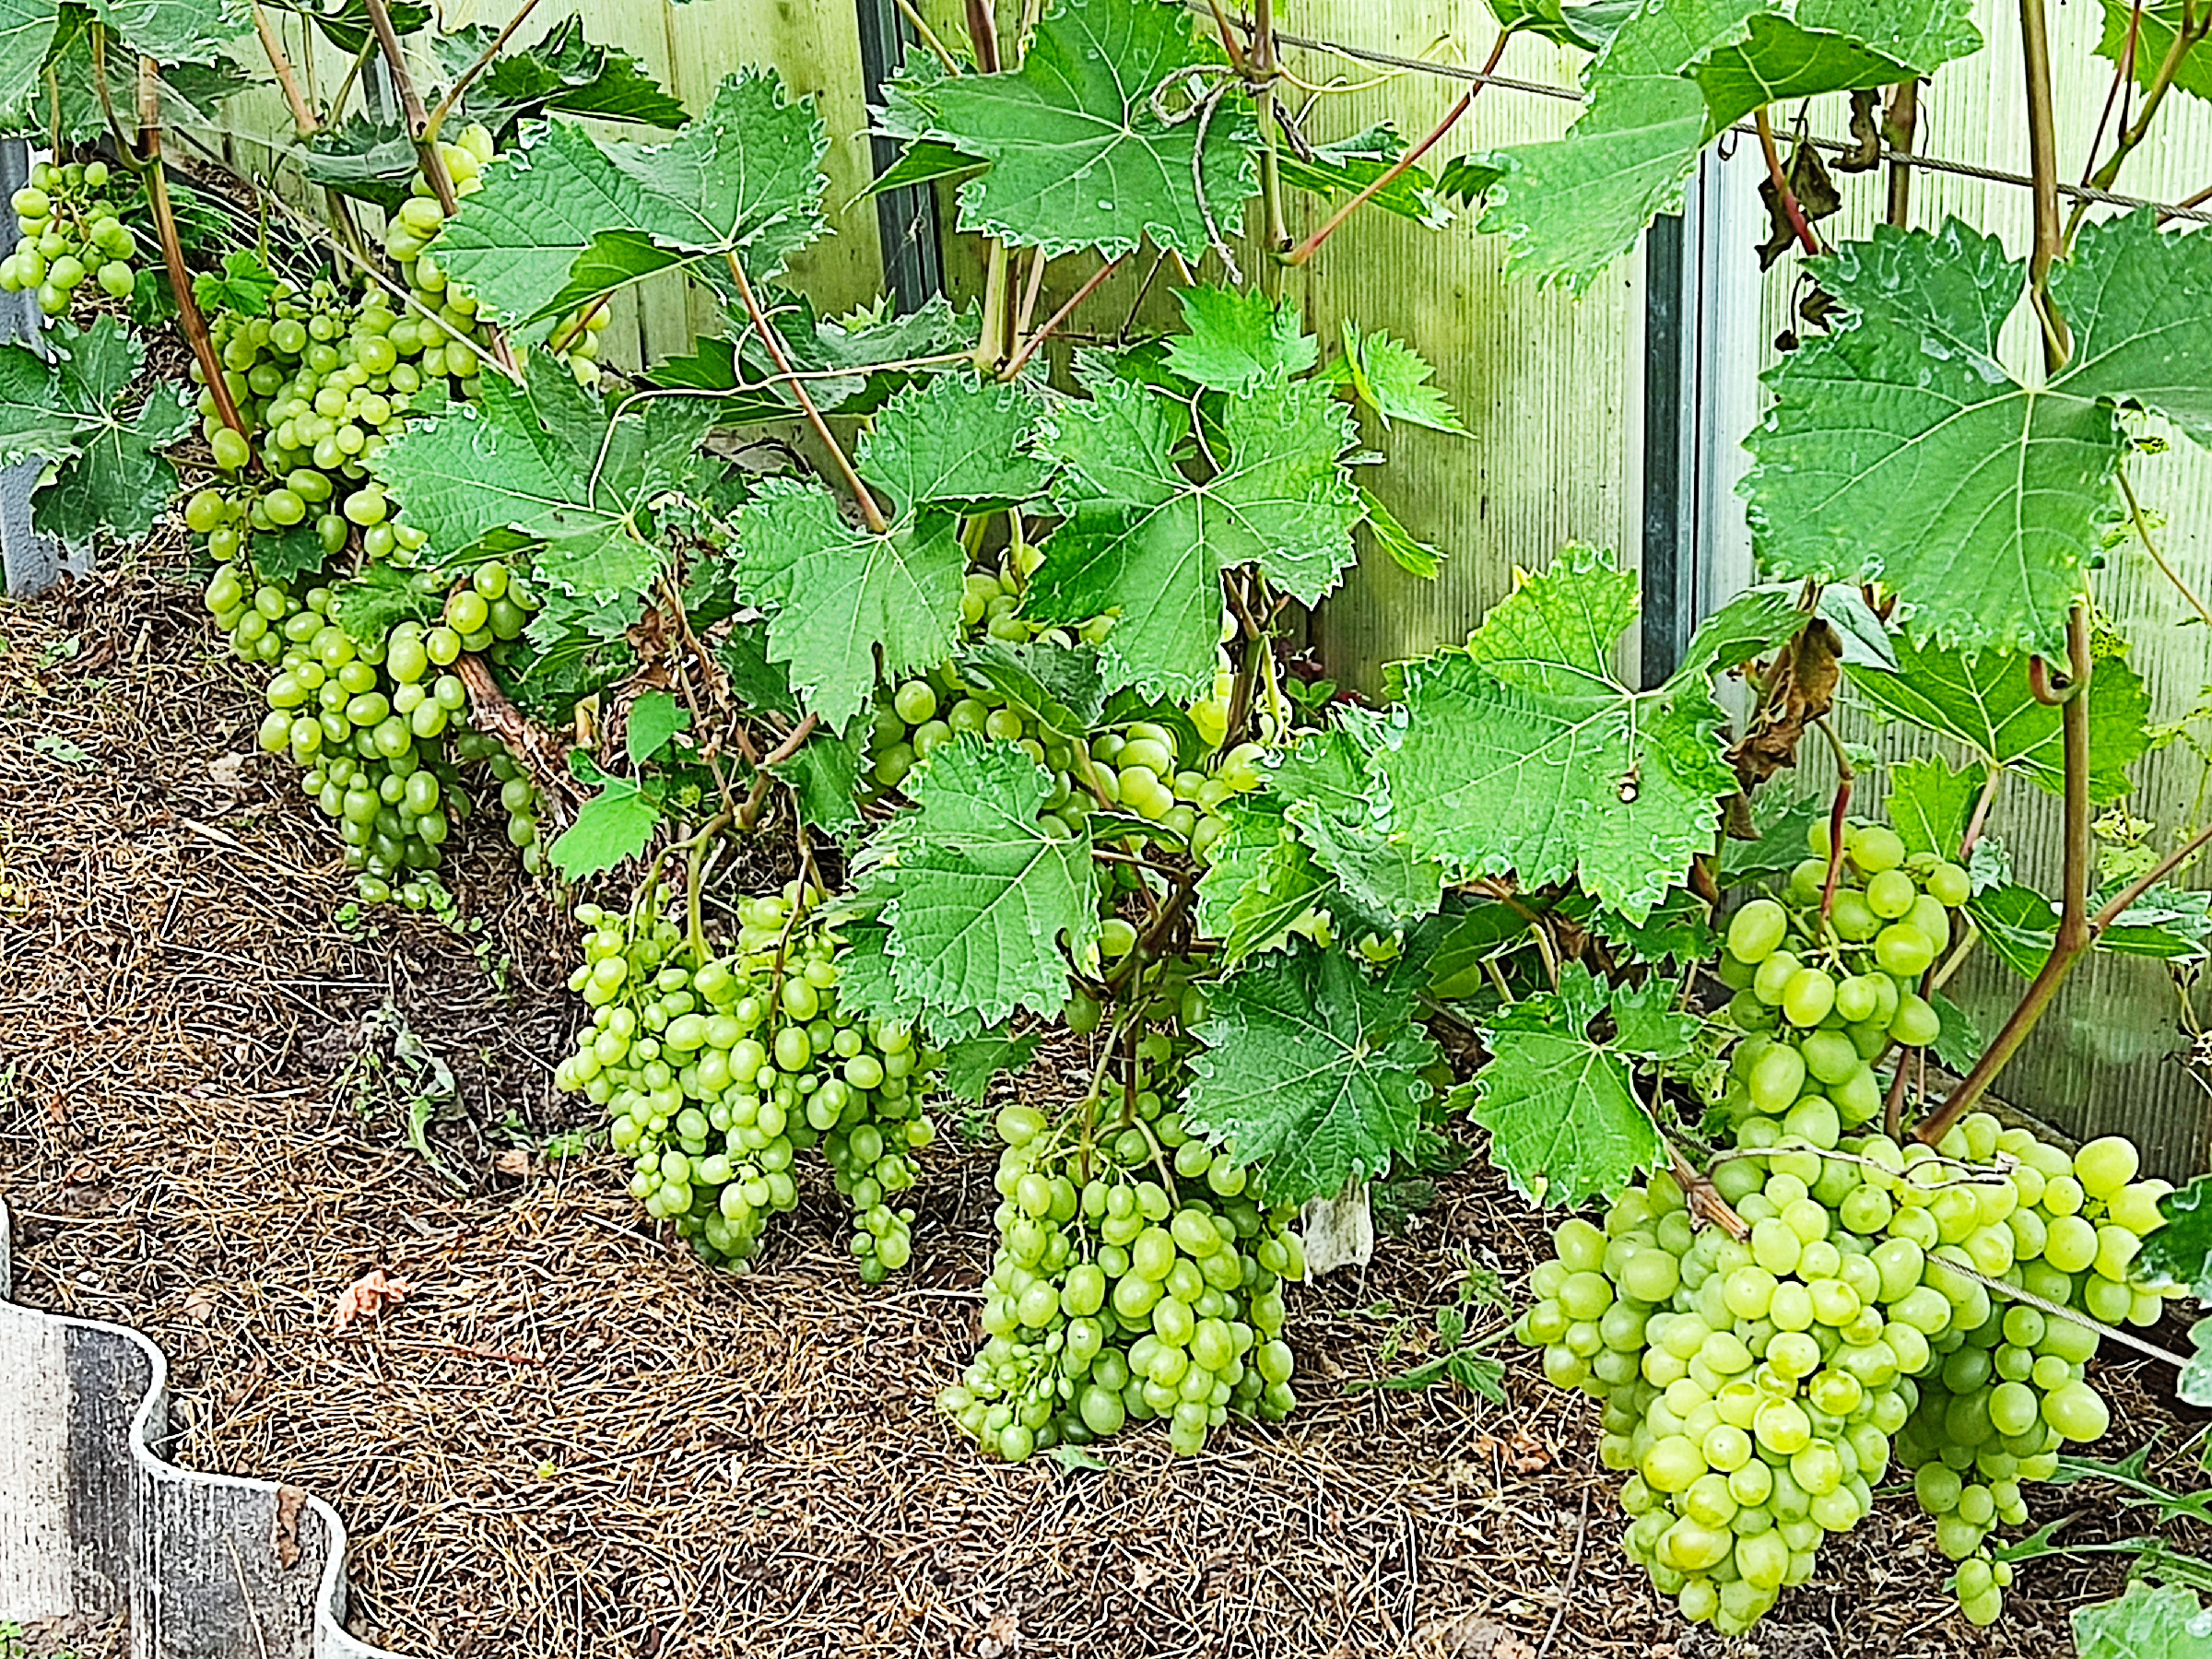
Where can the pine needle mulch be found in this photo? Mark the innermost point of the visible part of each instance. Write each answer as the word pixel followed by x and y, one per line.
pixel 569 1438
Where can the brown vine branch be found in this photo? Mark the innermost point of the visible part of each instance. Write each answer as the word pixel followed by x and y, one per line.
pixel 983 34
pixel 1053 323
pixel 410 103
pixel 2043 156
pixel 1312 245
pixel 303 114
pixel 1792 208
pixel 2076 931
pixel 1901 127
pixel 869 510
pixel 189 319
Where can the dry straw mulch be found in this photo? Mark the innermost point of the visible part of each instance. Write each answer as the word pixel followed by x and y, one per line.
pixel 569 1438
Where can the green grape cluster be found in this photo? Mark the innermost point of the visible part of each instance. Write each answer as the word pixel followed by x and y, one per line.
pixel 1753 1387
pixel 1135 1276
pixel 72 229
pixel 1822 998
pixel 717 1069
pixel 321 382
pixel 378 728
pixel 407 240
pixel 2000 1397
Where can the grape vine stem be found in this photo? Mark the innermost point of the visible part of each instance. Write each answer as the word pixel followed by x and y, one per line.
pixel 1398 169
pixel 1574 1571
pixel 869 510
pixel 435 122
pixel 1027 348
pixel 1792 208
pixel 172 248
pixel 2142 529
pixel 2077 931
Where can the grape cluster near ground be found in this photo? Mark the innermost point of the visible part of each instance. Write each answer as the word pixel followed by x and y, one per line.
pixel 1757 1387
pixel 379 729
pixel 717 1068
pixel 72 233
pixel 1135 1276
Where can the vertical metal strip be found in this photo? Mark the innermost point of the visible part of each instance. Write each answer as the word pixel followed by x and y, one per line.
pixel 906 218
pixel 29 562
pixel 1670 562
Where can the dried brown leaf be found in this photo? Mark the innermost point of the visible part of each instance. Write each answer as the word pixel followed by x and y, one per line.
pixel 367 1297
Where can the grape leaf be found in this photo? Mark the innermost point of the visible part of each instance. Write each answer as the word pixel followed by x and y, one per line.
pixel 1750 626
pixel 1453 946
pixel 2178 1253
pixel 1958 1042
pixel 1985 701
pixel 564 71
pixel 1587 28
pixel 368 606
pixel 615 824
pixel 372 160
pixel 866 987
pixel 547 462
pixel 1057 687
pixel 1078 156
pixel 1645 1022
pixel 26 33
pixel 2165 924
pixel 1899 450
pixel 824 775
pixel 285 554
pixel 1670 78
pixel 1348 166
pixel 1565 1121
pixel 84 414
pixel 655 720
pixel 2162 1622
pixel 1929 803
pixel 1143 540
pixel 978 895
pixel 1523 753
pixel 1234 337
pixel 175 32
pixel 246 285
pixel 1390 378
pixel 1415 557
pixel 743 178
pixel 2155 35
pixel 193 95
pixel 1340 809
pixel 1780 844
pixel 345 23
pixel 1259 880
pixel 1310 1074
pixel 839 597
pixel 1677 931
pixel 972 1064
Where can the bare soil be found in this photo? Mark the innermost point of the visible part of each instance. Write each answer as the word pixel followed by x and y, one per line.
pixel 570 1437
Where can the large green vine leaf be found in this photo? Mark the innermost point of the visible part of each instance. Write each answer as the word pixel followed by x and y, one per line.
pixel 1565 1121
pixel 984 903
pixel 1523 753
pixel 1079 156
pixel 1669 79
pixel 2167 924
pixel 567 218
pixel 1310 1072
pixel 2155 29
pixel 545 462
pixel 2146 1621
pixel 82 414
pixel 565 71
pixel 1986 703
pixel 1900 450
pixel 1339 808
pixel 840 596
pixel 175 32
pixel 1143 540
pixel 1259 880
